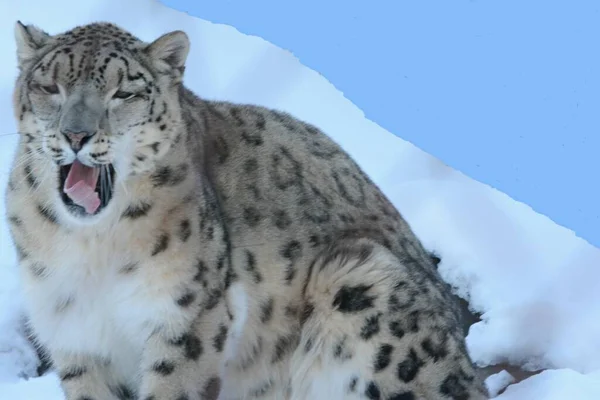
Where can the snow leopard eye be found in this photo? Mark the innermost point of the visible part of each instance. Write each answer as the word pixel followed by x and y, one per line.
pixel 124 95
pixel 45 89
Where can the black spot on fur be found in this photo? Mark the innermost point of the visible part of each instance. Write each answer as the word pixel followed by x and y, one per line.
pixel 210 232
pixel 314 240
pixel 230 277
pixel 396 329
pixel 31 179
pixel 266 311
pixel 221 262
pixel 285 170
pixel 38 270
pixel 370 327
pixel 282 220
pixel 252 216
pixel 73 372
pixel 353 193
pixel 313 130
pixel 453 388
pixel 186 299
pixel 47 214
pixel 306 313
pixel 346 218
pixel 22 113
pixel 434 348
pixel 192 347
pixel 350 299
pixel 341 350
pixel 316 206
pixel 323 149
pixel 219 339
pixel 164 368
pixel 235 113
pixel 291 310
pixel 285 119
pixel 412 321
pixel 11 185
pixel 129 268
pixel 21 252
pixel 250 266
pixel 260 121
pixel 404 297
pixel 14 220
pixel 169 176
pixel 201 270
pixel 309 344
pixel 283 346
pixel 214 297
pixel 262 389
pixel 383 357
pixel 212 387
pixel 372 391
pixel 292 251
pixel 251 165
pixel 253 139
pixel 221 150
pixel 185 230
pixel 409 368
pixel 123 392
pixel 352 385
pixel 162 243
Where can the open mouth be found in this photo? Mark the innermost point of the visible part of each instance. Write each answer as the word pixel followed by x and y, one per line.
pixel 86 190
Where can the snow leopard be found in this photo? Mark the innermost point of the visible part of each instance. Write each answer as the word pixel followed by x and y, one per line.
pixel 177 248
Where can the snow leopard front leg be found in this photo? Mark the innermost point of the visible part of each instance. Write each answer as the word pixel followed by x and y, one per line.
pixel 83 377
pixel 182 356
pixel 187 366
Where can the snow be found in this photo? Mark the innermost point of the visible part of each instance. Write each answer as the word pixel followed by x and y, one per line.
pixel 42 388
pixel 533 281
pixel 498 382
pixel 557 384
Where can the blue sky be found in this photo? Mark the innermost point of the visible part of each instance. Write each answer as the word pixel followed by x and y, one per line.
pixel 508 92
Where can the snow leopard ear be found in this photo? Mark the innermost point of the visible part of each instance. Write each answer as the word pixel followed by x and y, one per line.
pixel 170 51
pixel 30 39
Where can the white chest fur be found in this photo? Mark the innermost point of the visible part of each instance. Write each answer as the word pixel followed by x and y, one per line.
pixel 91 299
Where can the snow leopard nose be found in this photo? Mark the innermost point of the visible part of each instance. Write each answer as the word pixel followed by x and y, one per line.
pixel 78 139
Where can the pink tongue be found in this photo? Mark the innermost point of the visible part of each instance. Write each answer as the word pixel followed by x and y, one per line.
pixel 80 186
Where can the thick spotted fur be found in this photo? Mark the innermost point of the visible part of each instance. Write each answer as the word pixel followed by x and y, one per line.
pixel 242 254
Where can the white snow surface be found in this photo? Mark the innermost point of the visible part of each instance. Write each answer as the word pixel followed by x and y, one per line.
pixel 497 382
pixel 534 281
